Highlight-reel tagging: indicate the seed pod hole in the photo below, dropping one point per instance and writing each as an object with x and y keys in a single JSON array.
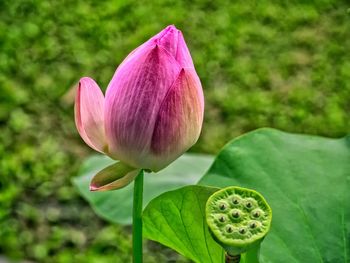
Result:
[
  {"x": 222, "y": 206},
  {"x": 229, "y": 229},
  {"x": 236, "y": 200},
  {"x": 242, "y": 231},
  {"x": 257, "y": 213},
  {"x": 222, "y": 219},
  {"x": 235, "y": 214},
  {"x": 253, "y": 225},
  {"x": 250, "y": 203}
]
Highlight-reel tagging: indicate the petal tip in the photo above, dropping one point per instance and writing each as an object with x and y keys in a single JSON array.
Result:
[
  {"x": 85, "y": 80},
  {"x": 171, "y": 27},
  {"x": 93, "y": 188}
]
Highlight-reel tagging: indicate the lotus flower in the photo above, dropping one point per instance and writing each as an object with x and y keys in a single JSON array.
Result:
[{"x": 152, "y": 111}]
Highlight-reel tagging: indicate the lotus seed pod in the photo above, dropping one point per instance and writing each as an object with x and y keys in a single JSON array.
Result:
[{"x": 238, "y": 218}]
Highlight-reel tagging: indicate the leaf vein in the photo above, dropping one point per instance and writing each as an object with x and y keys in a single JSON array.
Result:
[
  {"x": 343, "y": 233},
  {"x": 204, "y": 228},
  {"x": 310, "y": 231},
  {"x": 172, "y": 229},
  {"x": 183, "y": 223}
]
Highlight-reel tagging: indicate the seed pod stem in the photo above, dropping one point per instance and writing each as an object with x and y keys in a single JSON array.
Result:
[{"x": 232, "y": 258}]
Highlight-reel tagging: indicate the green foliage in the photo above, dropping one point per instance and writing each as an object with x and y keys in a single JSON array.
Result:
[
  {"x": 116, "y": 206},
  {"x": 262, "y": 63},
  {"x": 177, "y": 219},
  {"x": 305, "y": 180}
]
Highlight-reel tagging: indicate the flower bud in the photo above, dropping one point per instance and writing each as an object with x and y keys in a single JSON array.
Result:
[{"x": 153, "y": 108}]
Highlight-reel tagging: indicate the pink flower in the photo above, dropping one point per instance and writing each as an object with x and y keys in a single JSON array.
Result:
[{"x": 152, "y": 111}]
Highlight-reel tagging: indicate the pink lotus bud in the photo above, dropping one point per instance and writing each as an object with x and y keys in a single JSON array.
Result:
[{"x": 153, "y": 108}]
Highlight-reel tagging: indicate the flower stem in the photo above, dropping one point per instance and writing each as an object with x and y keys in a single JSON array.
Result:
[{"x": 137, "y": 219}]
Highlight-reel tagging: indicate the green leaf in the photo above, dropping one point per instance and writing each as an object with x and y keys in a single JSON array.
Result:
[
  {"x": 177, "y": 220},
  {"x": 306, "y": 181},
  {"x": 116, "y": 206}
]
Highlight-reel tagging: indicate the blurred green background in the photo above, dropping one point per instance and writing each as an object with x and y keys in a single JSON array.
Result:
[{"x": 282, "y": 64}]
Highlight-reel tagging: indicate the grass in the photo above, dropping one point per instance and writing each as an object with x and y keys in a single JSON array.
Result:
[{"x": 284, "y": 65}]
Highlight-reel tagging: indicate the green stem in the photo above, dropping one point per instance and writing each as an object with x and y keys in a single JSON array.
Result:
[{"x": 137, "y": 219}]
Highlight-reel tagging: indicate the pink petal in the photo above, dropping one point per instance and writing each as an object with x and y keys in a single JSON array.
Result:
[
  {"x": 168, "y": 39},
  {"x": 133, "y": 99},
  {"x": 136, "y": 52},
  {"x": 89, "y": 116},
  {"x": 172, "y": 40},
  {"x": 155, "y": 40},
  {"x": 183, "y": 55},
  {"x": 179, "y": 120}
]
